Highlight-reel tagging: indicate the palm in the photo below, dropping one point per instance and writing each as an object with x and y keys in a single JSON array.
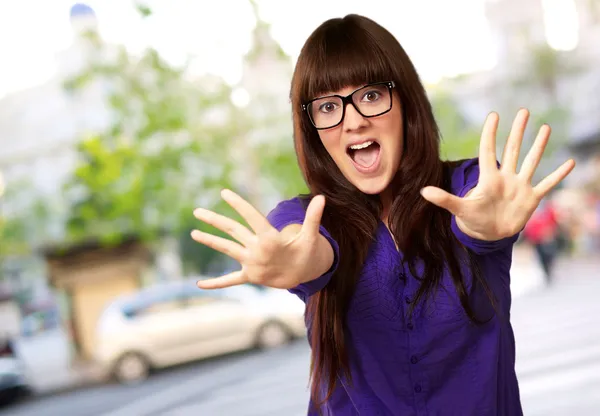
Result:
[
  {"x": 267, "y": 256},
  {"x": 504, "y": 199}
]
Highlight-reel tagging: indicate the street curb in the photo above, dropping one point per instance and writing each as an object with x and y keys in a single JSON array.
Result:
[{"x": 35, "y": 395}]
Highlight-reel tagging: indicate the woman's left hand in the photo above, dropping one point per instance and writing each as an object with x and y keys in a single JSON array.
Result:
[{"x": 503, "y": 200}]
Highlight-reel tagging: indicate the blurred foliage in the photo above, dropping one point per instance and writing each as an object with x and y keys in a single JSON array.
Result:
[
  {"x": 543, "y": 70},
  {"x": 171, "y": 146},
  {"x": 537, "y": 83},
  {"x": 24, "y": 225},
  {"x": 149, "y": 168},
  {"x": 279, "y": 163},
  {"x": 13, "y": 237},
  {"x": 460, "y": 139},
  {"x": 143, "y": 10}
]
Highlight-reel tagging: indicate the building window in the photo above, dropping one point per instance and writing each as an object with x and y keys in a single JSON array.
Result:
[{"x": 593, "y": 7}]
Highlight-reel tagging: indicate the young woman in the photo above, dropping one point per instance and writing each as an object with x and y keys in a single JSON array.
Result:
[{"x": 402, "y": 259}]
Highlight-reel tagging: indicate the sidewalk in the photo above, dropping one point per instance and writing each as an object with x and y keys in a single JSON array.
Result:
[
  {"x": 48, "y": 364},
  {"x": 527, "y": 275},
  {"x": 56, "y": 380}
]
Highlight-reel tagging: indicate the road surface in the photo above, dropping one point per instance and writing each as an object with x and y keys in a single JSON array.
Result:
[{"x": 558, "y": 364}]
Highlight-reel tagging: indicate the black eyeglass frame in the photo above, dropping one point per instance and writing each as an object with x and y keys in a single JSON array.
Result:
[{"x": 348, "y": 100}]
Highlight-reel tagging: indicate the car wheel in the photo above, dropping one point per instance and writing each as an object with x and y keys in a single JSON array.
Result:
[
  {"x": 132, "y": 368},
  {"x": 272, "y": 335}
]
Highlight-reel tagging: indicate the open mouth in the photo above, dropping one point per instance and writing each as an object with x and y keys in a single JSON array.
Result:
[{"x": 364, "y": 155}]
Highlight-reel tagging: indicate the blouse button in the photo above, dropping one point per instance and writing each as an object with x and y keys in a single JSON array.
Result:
[
  {"x": 418, "y": 388},
  {"x": 410, "y": 326},
  {"x": 414, "y": 359}
]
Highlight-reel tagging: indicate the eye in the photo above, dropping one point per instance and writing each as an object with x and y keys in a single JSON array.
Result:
[
  {"x": 327, "y": 107},
  {"x": 372, "y": 95}
]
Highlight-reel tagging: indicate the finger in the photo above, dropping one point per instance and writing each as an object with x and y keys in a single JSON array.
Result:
[
  {"x": 253, "y": 217},
  {"x": 510, "y": 155},
  {"x": 223, "y": 245},
  {"x": 314, "y": 213},
  {"x": 487, "y": 147},
  {"x": 231, "y": 279},
  {"x": 225, "y": 224},
  {"x": 443, "y": 199},
  {"x": 532, "y": 160},
  {"x": 554, "y": 178}
]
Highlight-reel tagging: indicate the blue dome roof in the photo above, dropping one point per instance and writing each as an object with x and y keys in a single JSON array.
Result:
[{"x": 82, "y": 10}]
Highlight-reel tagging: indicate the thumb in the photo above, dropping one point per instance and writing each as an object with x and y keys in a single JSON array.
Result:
[
  {"x": 314, "y": 213},
  {"x": 442, "y": 199}
]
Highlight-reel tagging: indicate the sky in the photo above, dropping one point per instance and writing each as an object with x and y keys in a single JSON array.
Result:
[{"x": 443, "y": 38}]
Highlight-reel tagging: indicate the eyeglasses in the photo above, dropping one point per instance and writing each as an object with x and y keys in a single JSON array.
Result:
[{"x": 370, "y": 101}]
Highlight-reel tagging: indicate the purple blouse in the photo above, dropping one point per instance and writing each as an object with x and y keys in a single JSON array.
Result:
[{"x": 438, "y": 362}]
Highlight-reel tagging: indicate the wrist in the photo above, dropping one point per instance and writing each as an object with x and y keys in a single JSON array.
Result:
[
  {"x": 487, "y": 236},
  {"x": 320, "y": 261}
]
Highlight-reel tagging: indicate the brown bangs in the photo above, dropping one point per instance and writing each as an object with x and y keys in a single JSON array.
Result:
[{"x": 342, "y": 55}]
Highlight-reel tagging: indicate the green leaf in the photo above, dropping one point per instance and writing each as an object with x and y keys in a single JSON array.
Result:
[{"x": 143, "y": 10}]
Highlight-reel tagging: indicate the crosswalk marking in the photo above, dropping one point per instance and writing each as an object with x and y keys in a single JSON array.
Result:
[
  {"x": 558, "y": 350},
  {"x": 283, "y": 389}
]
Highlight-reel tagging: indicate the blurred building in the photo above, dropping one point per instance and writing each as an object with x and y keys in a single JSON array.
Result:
[
  {"x": 547, "y": 57},
  {"x": 10, "y": 315},
  {"x": 41, "y": 124},
  {"x": 266, "y": 77},
  {"x": 40, "y": 127}
]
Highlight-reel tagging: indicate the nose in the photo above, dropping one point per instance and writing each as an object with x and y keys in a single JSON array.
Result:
[{"x": 353, "y": 120}]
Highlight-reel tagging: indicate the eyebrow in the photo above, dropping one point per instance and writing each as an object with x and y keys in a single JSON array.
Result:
[{"x": 332, "y": 93}]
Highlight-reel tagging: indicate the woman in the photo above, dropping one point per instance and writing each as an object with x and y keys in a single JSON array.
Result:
[{"x": 402, "y": 259}]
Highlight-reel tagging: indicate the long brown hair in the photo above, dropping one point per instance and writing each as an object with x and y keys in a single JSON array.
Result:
[{"x": 353, "y": 51}]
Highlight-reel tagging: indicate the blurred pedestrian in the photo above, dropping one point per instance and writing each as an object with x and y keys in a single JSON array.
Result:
[
  {"x": 402, "y": 259},
  {"x": 544, "y": 233}
]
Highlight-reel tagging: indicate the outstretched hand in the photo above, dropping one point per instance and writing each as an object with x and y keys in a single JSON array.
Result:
[
  {"x": 503, "y": 200},
  {"x": 267, "y": 256}
]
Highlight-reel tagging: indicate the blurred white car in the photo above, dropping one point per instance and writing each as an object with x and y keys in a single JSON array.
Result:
[
  {"x": 12, "y": 373},
  {"x": 175, "y": 322}
]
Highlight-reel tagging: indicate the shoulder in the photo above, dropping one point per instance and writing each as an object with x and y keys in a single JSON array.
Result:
[
  {"x": 296, "y": 204},
  {"x": 288, "y": 211},
  {"x": 464, "y": 175}
]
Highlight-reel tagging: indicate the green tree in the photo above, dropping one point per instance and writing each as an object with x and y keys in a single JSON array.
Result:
[
  {"x": 460, "y": 139},
  {"x": 168, "y": 149},
  {"x": 23, "y": 222},
  {"x": 165, "y": 151}
]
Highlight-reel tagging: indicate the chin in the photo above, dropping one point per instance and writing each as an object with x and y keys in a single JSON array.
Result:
[{"x": 372, "y": 186}]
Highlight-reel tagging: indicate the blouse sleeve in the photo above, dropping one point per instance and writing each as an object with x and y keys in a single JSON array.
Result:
[{"x": 293, "y": 212}]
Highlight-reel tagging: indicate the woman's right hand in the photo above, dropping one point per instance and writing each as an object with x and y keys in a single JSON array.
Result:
[{"x": 268, "y": 257}]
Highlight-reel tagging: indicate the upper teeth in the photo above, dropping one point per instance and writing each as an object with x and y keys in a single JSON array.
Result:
[{"x": 362, "y": 145}]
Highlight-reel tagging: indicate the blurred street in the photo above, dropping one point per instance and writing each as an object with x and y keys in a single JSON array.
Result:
[
  {"x": 119, "y": 119},
  {"x": 558, "y": 362}
]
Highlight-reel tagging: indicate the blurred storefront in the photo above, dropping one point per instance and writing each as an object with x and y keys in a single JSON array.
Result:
[
  {"x": 10, "y": 315},
  {"x": 88, "y": 277}
]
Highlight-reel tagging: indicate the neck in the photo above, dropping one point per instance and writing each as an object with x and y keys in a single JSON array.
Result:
[{"x": 386, "y": 201}]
